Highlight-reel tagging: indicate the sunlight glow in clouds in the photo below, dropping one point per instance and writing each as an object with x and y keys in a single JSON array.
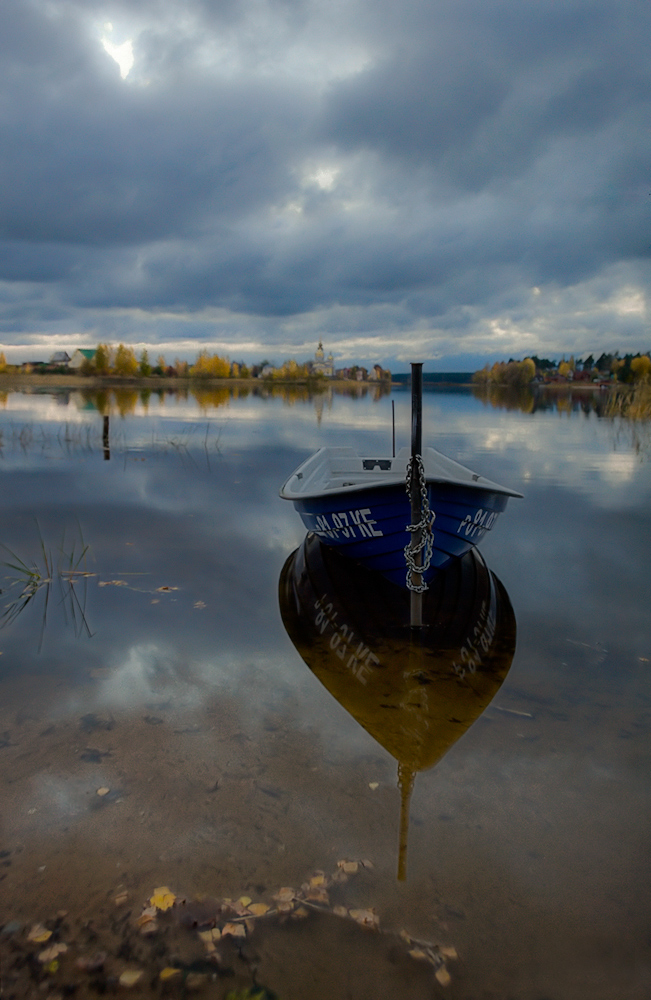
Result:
[{"x": 123, "y": 54}]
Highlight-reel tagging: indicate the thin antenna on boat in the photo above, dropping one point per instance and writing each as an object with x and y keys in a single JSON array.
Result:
[
  {"x": 393, "y": 425},
  {"x": 416, "y": 597}
]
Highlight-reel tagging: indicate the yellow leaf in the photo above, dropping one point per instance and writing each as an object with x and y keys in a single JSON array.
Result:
[
  {"x": 285, "y": 894},
  {"x": 162, "y": 899},
  {"x": 300, "y": 913},
  {"x": 121, "y": 898},
  {"x": 169, "y": 972},
  {"x": 39, "y": 934},
  {"x": 103, "y": 791},
  {"x": 52, "y": 966},
  {"x": 418, "y": 953},
  {"x": 147, "y": 915},
  {"x": 258, "y": 909},
  {"x": 448, "y": 952},
  {"x": 235, "y": 930},
  {"x": 443, "y": 976},
  {"x": 317, "y": 880},
  {"x": 214, "y": 934},
  {"x": 130, "y": 977},
  {"x": 350, "y": 867},
  {"x": 244, "y": 900},
  {"x": 49, "y": 954}
]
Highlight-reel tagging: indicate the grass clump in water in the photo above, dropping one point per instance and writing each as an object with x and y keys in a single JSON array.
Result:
[{"x": 28, "y": 580}]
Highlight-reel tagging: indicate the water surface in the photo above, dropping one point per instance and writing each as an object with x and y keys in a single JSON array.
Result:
[{"x": 166, "y": 675}]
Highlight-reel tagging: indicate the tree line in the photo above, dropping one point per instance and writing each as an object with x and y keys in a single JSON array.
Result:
[
  {"x": 627, "y": 369},
  {"x": 122, "y": 361}
]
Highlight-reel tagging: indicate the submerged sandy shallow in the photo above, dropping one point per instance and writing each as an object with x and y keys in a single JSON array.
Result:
[{"x": 197, "y": 804}]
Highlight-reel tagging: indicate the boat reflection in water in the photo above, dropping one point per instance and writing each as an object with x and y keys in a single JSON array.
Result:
[{"x": 415, "y": 691}]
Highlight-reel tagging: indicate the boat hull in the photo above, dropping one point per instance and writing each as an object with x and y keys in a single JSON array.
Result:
[{"x": 370, "y": 526}]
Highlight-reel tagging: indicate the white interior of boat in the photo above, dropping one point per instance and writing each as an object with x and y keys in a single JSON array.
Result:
[{"x": 344, "y": 470}]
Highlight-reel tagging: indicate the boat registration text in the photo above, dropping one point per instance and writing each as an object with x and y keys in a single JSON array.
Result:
[{"x": 344, "y": 524}]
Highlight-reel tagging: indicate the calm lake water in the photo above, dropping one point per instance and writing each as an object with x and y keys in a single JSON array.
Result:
[{"x": 166, "y": 676}]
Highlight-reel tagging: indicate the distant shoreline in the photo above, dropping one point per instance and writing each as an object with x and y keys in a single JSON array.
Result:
[{"x": 10, "y": 380}]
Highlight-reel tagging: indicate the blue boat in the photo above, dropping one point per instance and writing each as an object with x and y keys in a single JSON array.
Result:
[{"x": 361, "y": 505}]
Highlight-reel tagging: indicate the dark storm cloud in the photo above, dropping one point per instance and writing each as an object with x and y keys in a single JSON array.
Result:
[
  {"x": 91, "y": 161},
  {"x": 402, "y": 162}
]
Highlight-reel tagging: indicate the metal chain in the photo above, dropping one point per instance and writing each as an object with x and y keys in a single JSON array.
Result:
[{"x": 426, "y": 542}]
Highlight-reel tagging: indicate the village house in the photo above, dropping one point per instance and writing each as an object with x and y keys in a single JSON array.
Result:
[
  {"x": 81, "y": 355},
  {"x": 60, "y": 359}
]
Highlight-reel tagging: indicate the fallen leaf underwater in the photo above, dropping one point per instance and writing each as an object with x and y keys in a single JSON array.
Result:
[{"x": 175, "y": 946}]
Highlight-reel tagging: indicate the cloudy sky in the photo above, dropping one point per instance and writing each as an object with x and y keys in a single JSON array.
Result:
[{"x": 452, "y": 181}]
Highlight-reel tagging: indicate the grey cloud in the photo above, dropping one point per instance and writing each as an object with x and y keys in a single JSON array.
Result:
[{"x": 478, "y": 149}]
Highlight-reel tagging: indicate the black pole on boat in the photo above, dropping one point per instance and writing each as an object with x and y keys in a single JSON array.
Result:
[
  {"x": 416, "y": 597},
  {"x": 393, "y": 427}
]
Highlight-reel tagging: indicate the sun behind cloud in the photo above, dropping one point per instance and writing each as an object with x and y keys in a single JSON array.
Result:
[{"x": 123, "y": 54}]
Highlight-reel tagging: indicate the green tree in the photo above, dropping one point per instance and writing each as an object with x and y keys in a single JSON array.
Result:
[
  {"x": 101, "y": 361},
  {"x": 144, "y": 368}
]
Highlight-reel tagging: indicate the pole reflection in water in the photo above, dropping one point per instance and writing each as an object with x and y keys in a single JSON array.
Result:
[
  {"x": 414, "y": 691},
  {"x": 105, "y": 439}
]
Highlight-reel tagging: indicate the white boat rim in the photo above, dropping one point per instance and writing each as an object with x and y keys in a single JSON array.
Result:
[{"x": 344, "y": 470}]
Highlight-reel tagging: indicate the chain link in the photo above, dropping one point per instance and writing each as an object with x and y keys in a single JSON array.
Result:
[{"x": 427, "y": 517}]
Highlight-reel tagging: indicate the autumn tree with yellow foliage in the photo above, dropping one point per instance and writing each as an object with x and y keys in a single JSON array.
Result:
[
  {"x": 506, "y": 373},
  {"x": 641, "y": 366},
  {"x": 291, "y": 370},
  {"x": 125, "y": 363},
  {"x": 210, "y": 366},
  {"x": 3, "y": 362}
]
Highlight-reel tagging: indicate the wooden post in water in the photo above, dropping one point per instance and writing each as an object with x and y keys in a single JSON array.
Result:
[
  {"x": 105, "y": 439},
  {"x": 416, "y": 598}
]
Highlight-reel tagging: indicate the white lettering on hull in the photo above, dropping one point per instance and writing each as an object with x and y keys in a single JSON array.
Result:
[
  {"x": 481, "y": 522},
  {"x": 356, "y": 524}
]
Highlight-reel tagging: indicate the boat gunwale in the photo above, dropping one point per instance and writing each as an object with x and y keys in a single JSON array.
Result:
[{"x": 479, "y": 484}]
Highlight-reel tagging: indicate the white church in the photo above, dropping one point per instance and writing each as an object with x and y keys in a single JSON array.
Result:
[{"x": 321, "y": 364}]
